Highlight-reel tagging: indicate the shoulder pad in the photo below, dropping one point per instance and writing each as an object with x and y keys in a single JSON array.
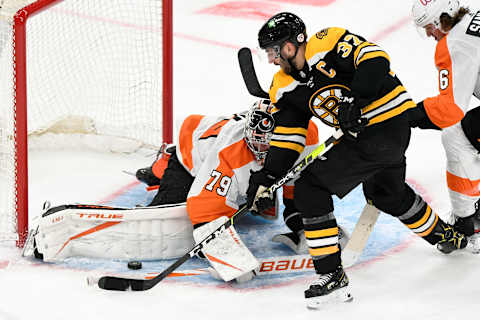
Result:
[
  {"x": 281, "y": 83},
  {"x": 323, "y": 41}
]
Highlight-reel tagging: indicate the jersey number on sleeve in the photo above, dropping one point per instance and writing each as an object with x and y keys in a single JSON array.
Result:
[
  {"x": 346, "y": 47},
  {"x": 223, "y": 185},
  {"x": 443, "y": 78}
]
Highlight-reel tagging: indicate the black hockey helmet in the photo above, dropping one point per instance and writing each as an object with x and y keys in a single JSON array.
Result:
[{"x": 282, "y": 27}]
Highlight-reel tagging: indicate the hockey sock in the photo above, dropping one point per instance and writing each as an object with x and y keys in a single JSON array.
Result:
[
  {"x": 322, "y": 239},
  {"x": 422, "y": 220}
]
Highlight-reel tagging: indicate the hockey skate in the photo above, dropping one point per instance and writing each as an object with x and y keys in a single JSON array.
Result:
[
  {"x": 151, "y": 175},
  {"x": 146, "y": 176},
  {"x": 328, "y": 288},
  {"x": 451, "y": 238},
  {"x": 470, "y": 226}
]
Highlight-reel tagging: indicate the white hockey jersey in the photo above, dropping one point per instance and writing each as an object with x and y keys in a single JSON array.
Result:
[
  {"x": 215, "y": 152},
  {"x": 457, "y": 58},
  {"x": 197, "y": 137}
]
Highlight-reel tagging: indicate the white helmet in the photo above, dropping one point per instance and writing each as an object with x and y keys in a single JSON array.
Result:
[
  {"x": 258, "y": 128},
  {"x": 425, "y": 12}
]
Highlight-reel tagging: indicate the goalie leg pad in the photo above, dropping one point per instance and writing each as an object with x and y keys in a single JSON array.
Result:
[
  {"x": 226, "y": 253},
  {"x": 146, "y": 233}
]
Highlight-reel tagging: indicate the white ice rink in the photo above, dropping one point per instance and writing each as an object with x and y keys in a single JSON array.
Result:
[{"x": 412, "y": 281}]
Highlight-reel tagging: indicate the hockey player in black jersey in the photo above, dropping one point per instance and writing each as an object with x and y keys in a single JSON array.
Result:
[{"x": 345, "y": 81}]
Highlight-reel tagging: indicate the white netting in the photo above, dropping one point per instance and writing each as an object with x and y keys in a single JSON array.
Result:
[{"x": 94, "y": 61}]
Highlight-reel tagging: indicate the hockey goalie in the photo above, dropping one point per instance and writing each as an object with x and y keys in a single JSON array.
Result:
[{"x": 201, "y": 182}]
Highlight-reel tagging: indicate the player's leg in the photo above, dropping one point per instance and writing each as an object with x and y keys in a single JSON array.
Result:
[
  {"x": 174, "y": 185},
  {"x": 463, "y": 172},
  {"x": 389, "y": 193},
  {"x": 321, "y": 232}
]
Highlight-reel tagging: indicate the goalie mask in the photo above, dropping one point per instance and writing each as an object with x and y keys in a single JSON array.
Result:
[{"x": 259, "y": 129}]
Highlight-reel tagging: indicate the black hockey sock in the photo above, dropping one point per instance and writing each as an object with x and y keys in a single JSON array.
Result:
[
  {"x": 322, "y": 239},
  {"x": 422, "y": 220}
]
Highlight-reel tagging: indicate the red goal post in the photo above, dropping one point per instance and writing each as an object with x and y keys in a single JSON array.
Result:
[{"x": 127, "y": 48}]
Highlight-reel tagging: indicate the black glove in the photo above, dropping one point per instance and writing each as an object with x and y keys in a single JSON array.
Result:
[
  {"x": 350, "y": 118},
  {"x": 417, "y": 117},
  {"x": 259, "y": 181}
]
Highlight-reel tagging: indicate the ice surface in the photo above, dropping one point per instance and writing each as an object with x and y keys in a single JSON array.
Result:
[{"x": 401, "y": 277}]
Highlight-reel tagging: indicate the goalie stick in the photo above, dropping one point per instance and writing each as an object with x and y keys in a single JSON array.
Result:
[{"x": 121, "y": 284}]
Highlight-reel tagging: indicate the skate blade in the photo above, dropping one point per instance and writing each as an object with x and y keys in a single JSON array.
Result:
[{"x": 337, "y": 296}]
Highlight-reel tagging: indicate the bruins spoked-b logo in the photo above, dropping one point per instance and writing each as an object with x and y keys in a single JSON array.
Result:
[{"x": 324, "y": 103}]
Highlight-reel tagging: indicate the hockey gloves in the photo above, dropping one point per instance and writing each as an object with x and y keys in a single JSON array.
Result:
[
  {"x": 417, "y": 117},
  {"x": 350, "y": 118},
  {"x": 258, "y": 198}
]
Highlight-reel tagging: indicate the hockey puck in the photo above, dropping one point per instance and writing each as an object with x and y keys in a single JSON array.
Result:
[{"x": 134, "y": 265}]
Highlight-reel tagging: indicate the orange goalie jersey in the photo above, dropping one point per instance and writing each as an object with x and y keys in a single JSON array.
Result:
[{"x": 214, "y": 151}]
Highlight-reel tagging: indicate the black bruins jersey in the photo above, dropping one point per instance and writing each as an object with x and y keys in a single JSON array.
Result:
[{"x": 333, "y": 57}]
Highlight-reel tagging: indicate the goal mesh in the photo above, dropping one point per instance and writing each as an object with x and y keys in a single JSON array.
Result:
[{"x": 100, "y": 61}]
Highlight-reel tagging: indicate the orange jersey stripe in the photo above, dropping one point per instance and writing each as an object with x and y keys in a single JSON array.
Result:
[
  {"x": 186, "y": 139},
  {"x": 208, "y": 205},
  {"x": 463, "y": 185},
  {"x": 442, "y": 109}
]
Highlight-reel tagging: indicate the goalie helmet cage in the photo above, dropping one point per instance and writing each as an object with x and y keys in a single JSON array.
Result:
[{"x": 107, "y": 63}]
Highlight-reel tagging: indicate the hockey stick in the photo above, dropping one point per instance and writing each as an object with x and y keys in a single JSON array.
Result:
[
  {"x": 249, "y": 75},
  {"x": 358, "y": 239},
  {"x": 119, "y": 283}
]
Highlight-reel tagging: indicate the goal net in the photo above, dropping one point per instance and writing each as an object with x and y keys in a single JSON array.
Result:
[{"x": 100, "y": 67}]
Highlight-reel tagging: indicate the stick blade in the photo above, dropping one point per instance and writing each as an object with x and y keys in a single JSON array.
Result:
[
  {"x": 123, "y": 284},
  {"x": 249, "y": 75}
]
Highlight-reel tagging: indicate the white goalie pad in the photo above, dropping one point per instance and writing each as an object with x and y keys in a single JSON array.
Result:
[
  {"x": 146, "y": 233},
  {"x": 226, "y": 253}
]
